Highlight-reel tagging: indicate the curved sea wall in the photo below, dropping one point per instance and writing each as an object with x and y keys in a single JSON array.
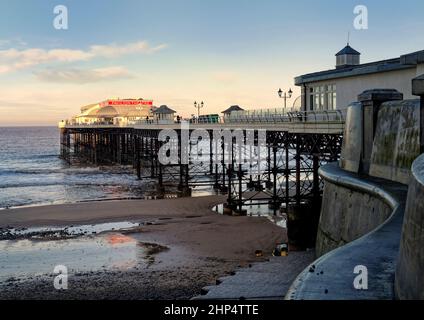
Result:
[
  {"x": 364, "y": 199},
  {"x": 331, "y": 277},
  {"x": 348, "y": 212},
  {"x": 410, "y": 269}
]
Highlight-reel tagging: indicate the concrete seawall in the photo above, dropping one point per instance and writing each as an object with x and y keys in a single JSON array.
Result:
[
  {"x": 364, "y": 201},
  {"x": 331, "y": 277},
  {"x": 347, "y": 214},
  {"x": 410, "y": 268}
]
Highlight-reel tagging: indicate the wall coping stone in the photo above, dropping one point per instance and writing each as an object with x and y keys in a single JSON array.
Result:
[
  {"x": 418, "y": 86},
  {"x": 380, "y": 95}
]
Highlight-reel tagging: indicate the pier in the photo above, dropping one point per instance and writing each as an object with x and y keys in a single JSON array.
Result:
[{"x": 297, "y": 145}]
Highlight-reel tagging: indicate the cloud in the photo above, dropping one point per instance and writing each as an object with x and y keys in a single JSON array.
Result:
[
  {"x": 22, "y": 59},
  {"x": 12, "y": 42},
  {"x": 16, "y": 105},
  {"x": 14, "y": 59},
  {"x": 82, "y": 76},
  {"x": 113, "y": 50},
  {"x": 4, "y": 42}
]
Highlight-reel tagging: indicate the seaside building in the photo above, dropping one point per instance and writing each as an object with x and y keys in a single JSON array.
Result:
[
  {"x": 115, "y": 111},
  {"x": 164, "y": 115},
  {"x": 337, "y": 88},
  {"x": 231, "y": 109}
]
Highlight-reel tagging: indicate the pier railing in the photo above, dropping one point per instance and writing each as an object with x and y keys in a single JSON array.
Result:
[
  {"x": 262, "y": 116},
  {"x": 253, "y": 117},
  {"x": 271, "y": 116}
]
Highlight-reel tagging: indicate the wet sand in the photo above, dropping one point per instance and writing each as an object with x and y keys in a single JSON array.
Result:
[{"x": 200, "y": 247}]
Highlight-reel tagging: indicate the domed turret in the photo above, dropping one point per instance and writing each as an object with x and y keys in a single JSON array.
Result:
[{"x": 347, "y": 57}]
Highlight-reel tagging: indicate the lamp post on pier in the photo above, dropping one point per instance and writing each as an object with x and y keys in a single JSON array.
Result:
[
  {"x": 285, "y": 96},
  {"x": 198, "y": 106}
]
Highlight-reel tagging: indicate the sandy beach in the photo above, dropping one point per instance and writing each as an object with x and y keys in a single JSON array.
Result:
[{"x": 188, "y": 247}]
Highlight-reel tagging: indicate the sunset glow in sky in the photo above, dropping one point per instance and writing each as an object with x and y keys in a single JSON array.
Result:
[{"x": 223, "y": 52}]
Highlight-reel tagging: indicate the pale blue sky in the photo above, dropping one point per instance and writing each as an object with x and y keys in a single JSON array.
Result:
[{"x": 224, "y": 52}]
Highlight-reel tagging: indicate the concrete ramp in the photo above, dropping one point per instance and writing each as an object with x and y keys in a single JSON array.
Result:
[{"x": 265, "y": 280}]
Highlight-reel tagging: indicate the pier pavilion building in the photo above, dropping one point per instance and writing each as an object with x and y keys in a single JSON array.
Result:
[
  {"x": 337, "y": 88},
  {"x": 115, "y": 111}
]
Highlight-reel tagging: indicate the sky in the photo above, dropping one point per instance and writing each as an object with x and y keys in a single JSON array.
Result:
[{"x": 175, "y": 52}]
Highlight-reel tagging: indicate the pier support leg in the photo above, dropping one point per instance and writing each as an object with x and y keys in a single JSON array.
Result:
[
  {"x": 210, "y": 154},
  {"x": 298, "y": 168},
  {"x": 287, "y": 175},
  {"x": 268, "y": 160},
  {"x": 275, "y": 203},
  {"x": 315, "y": 188},
  {"x": 68, "y": 147},
  {"x": 240, "y": 191},
  {"x": 138, "y": 157},
  {"x": 152, "y": 158},
  {"x": 224, "y": 188}
]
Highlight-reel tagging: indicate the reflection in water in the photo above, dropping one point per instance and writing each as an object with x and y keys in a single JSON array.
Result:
[
  {"x": 109, "y": 251},
  {"x": 115, "y": 239},
  {"x": 259, "y": 210},
  {"x": 70, "y": 231}
]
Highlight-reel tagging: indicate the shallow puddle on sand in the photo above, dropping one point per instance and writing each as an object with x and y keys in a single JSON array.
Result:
[
  {"x": 108, "y": 251},
  {"x": 76, "y": 230},
  {"x": 259, "y": 210}
]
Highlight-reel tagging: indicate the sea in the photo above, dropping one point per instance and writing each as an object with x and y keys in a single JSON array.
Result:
[{"x": 31, "y": 172}]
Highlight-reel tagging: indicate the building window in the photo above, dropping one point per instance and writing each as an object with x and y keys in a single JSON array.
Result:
[
  {"x": 323, "y": 97},
  {"x": 331, "y": 97},
  {"x": 311, "y": 99}
]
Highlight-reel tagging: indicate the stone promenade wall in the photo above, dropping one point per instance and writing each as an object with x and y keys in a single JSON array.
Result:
[
  {"x": 410, "y": 268},
  {"x": 346, "y": 215}
]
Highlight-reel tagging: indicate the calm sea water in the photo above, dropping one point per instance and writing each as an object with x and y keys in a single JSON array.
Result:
[{"x": 31, "y": 172}]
